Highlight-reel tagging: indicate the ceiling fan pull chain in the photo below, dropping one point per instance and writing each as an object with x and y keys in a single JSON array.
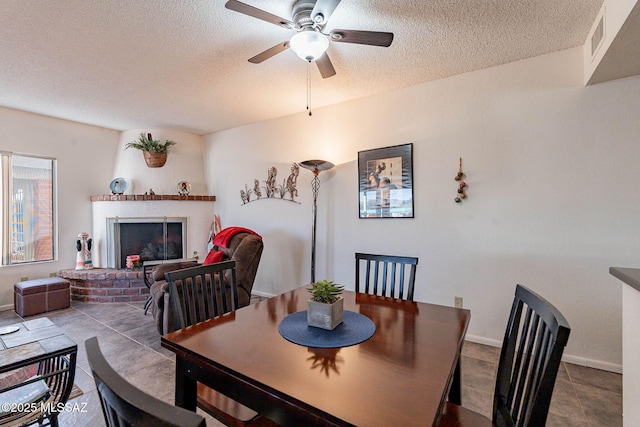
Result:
[{"x": 309, "y": 87}]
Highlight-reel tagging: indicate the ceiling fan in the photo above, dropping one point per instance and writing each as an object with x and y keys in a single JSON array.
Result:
[{"x": 310, "y": 42}]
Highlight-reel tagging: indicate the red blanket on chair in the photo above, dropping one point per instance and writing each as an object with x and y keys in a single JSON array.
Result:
[{"x": 223, "y": 238}]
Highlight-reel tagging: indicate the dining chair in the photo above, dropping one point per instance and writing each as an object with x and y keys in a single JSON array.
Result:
[
  {"x": 203, "y": 292},
  {"x": 536, "y": 336},
  {"x": 200, "y": 293},
  {"x": 386, "y": 275},
  {"x": 36, "y": 390},
  {"x": 123, "y": 404},
  {"x": 147, "y": 267}
]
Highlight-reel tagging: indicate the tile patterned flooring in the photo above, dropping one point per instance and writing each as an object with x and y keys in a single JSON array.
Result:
[{"x": 582, "y": 396}]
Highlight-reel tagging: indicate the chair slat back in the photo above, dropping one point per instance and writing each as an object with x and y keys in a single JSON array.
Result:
[
  {"x": 202, "y": 292},
  {"x": 386, "y": 275},
  {"x": 534, "y": 341},
  {"x": 59, "y": 373},
  {"x": 125, "y": 405}
]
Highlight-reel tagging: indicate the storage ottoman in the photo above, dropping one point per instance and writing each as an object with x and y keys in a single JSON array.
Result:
[{"x": 41, "y": 296}]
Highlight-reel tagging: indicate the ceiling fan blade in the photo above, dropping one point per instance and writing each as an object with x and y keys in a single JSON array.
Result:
[
  {"x": 272, "y": 51},
  {"x": 372, "y": 38},
  {"x": 323, "y": 10},
  {"x": 325, "y": 66},
  {"x": 258, "y": 13}
]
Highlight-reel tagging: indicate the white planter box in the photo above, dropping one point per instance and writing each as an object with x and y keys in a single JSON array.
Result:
[{"x": 325, "y": 316}]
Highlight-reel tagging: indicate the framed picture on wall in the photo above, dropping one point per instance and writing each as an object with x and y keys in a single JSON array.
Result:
[{"x": 385, "y": 182}]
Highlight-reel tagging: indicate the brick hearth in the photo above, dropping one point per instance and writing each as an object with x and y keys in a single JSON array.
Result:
[{"x": 106, "y": 285}]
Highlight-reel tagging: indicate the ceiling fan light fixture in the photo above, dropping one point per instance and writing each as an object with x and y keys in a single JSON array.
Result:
[{"x": 309, "y": 44}]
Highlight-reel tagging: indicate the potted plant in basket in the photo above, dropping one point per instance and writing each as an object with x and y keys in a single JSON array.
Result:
[
  {"x": 326, "y": 305},
  {"x": 155, "y": 152}
]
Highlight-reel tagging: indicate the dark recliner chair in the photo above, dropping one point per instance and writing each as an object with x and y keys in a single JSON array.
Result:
[{"x": 244, "y": 248}]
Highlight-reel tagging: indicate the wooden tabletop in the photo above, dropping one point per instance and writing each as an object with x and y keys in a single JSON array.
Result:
[{"x": 400, "y": 376}]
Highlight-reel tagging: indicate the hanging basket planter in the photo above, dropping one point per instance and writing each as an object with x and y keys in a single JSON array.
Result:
[
  {"x": 155, "y": 152},
  {"x": 155, "y": 160}
]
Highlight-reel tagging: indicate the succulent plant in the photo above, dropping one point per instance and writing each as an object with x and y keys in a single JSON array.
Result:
[{"x": 325, "y": 291}]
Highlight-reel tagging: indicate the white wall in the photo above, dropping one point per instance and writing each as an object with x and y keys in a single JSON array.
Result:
[
  {"x": 551, "y": 167},
  {"x": 85, "y": 154},
  {"x": 184, "y": 163}
]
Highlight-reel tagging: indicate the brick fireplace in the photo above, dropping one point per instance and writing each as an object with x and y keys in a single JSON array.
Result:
[
  {"x": 113, "y": 285},
  {"x": 106, "y": 285}
]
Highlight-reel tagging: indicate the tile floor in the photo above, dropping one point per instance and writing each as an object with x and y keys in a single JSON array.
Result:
[{"x": 582, "y": 396}]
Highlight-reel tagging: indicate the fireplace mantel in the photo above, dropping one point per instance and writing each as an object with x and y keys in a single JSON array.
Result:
[{"x": 149, "y": 197}]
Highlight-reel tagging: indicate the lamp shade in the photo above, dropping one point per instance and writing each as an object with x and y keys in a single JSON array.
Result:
[{"x": 309, "y": 44}]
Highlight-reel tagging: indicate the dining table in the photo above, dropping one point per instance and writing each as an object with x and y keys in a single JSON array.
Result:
[{"x": 402, "y": 375}]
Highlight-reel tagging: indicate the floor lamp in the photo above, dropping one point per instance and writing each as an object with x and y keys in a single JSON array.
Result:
[{"x": 315, "y": 166}]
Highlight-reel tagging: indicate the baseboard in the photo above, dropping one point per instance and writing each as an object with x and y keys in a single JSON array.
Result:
[
  {"x": 596, "y": 364},
  {"x": 262, "y": 294},
  {"x": 6, "y": 307},
  {"x": 576, "y": 360},
  {"x": 482, "y": 340}
]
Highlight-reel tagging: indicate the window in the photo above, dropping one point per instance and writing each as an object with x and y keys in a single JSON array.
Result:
[{"x": 28, "y": 209}]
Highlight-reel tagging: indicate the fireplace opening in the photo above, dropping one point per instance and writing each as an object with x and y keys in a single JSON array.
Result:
[{"x": 150, "y": 238}]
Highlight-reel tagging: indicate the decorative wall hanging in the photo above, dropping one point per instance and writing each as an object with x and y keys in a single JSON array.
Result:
[
  {"x": 461, "y": 186},
  {"x": 287, "y": 191},
  {"x": 385, "y": 178}
]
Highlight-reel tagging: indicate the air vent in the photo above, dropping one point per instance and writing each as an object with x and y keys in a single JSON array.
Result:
[{"x": 598, "y": 36}]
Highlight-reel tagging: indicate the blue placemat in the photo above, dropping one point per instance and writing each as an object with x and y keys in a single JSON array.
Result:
[{"x": 354, "y": 329}]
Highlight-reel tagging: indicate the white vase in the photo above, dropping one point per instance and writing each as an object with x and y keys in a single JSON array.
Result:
[{"x": 323, "y": 315}]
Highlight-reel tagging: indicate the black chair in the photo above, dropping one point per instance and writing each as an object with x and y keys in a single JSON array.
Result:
[
  {"x": 125, "y": 405},
  {"x": 147, "y": 266},
  {"x": 387, "y": 275},
  {"x": 531, "y": 351},
  {"x": 201, "y": 293},
  {"x": 37, "y": 395}
]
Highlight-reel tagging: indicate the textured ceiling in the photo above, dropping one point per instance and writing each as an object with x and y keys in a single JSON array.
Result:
[{"x": 182, "y": 64}]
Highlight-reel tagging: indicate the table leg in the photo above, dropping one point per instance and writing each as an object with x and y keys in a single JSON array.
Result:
[
  {"x": 455, "y": 392},
  {"x": 186, "y": 387}
]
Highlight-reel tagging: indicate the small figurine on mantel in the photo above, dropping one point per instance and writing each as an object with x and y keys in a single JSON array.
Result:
[{"x": 150, "y": 192}]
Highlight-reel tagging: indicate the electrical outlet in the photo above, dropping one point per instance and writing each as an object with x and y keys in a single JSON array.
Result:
[
  {"x": 24, "y": 278},
  {"x": 457, "y": 302}
]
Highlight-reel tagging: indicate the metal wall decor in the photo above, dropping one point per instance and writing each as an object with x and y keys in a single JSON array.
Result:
[
  {"x": 462, "y": 186},
  {"x": 287, "y": 191}
]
